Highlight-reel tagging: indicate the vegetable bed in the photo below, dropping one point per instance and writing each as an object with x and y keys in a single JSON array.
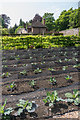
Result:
[{"x": 31, "y": 74}]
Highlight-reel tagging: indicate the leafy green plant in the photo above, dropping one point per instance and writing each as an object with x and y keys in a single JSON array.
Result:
[
  {"x": 14, "y": 65},
  {"x": 26, "y": 106},
  {"x": 12, "y": 86},
  {"x": 38, "y": 70},
  {"x": 24, "y": 65},
  {"x": 51, "y": 98},
  {"x": 2, "y": 107},
  {"x": 33, "y": 63},
  {"x": 64, "y": 68},
  {"x": 23, "y": 72},
  {"x": 67, "y": 59},
  {"x": 60, "y": 60},
  {"x": 65, "y": 53},
  {"x": 75, "y": 53},
  {"x": 75, "y": 59},
  {"x": 73, "y": 97},
  {"x": 68, "y": 78},
  {"x": 32, "y": 83},
  {"x": 51, "y": 69},
  {"x": 17, "y": 57},
  {"x": 12, "y": 57},
  {"x": 30, "y": 57},
  {"x": 5, "y": 75},
  {"x": 4, "y": 66},
  {"x": 76, "y": 66},
  {"x": 4, "y": 112},
  {"x": 53, "y": 81},
  {"x": 42, "y": 63}
]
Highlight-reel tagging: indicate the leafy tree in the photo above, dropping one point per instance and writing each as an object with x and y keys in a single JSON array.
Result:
[
  {"x": 12, "y": 29},
  {"x": 4, "y": 31},
  {"x": 73, "y": 19},
  {"x": 18, "y": 29},
  {"x": 49, "y": 20},
  {"x": 67, "y": 19},
  {"x": 22, "y": 23},
  {"x": 5, "y": 20}
]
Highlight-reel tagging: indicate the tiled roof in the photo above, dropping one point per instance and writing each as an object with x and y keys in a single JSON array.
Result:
[{"x": 38, "y": 24}]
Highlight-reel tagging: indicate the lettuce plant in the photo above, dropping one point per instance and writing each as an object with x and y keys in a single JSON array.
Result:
[
  {"x": 76, "y": 66},
  {"x": 5, "y": 75},
  {"x": 17, "y": 57},
  {"x": 68, "y": 78},
  {"x": 34, "y": 63},
  {"x": 53, "y": 81},
  {"x": 38, "y": 70},
  {"x": 23, "y": 72},
  {"x": 51, "y": 69},
  {"x": 32, "y": 83},
  {"x": 73, "y": 97},
  {"x": 12, "y": 86},
  {"x": 64, "y": 67},
  {"x": 12, "y": 57},
  {"x": 4, "y": 66},
  {"x": 60, "y": 60},
  {"x": 75, "y": 59}
]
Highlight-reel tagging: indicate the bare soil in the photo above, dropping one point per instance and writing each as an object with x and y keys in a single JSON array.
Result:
[{"x": 38, "y": 92}]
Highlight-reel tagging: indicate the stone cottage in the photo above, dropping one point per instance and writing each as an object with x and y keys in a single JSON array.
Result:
[{"x": 37, "y": 27}]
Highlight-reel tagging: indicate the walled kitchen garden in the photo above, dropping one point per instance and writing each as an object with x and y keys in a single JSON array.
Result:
[{"x": 39, "y": 83}]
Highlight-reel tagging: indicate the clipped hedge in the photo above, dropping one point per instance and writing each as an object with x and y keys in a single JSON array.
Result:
[{"x": 25, "y": 42}]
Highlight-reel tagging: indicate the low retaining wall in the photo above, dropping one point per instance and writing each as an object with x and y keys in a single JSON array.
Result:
[{"x": 74, "y": 31}]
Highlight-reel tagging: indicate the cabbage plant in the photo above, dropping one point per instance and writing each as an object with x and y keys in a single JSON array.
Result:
[
  {"x": 26, "y": 106},
  {"x": 73, "y": 97}
]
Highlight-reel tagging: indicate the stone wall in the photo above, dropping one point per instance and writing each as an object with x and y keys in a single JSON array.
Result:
[{"x": 74, "y": 31}]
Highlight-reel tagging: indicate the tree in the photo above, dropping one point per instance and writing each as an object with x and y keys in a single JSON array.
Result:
[
  {"x": 22, "y": 23},
  {"x": 4, "y": 31},
  {"x": 74, "y": 19},
  {"x": 5, "y": 20},
  {"x": 67, "y": 19},
  {"x": 18, "y": 29},
  {"x": 63, "y": 21},
  {"x": 12, "y": 29},
  {"x": 49, "y": 20}
]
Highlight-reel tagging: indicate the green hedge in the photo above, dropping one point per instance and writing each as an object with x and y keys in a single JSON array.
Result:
[{"x": 25, "y": 42}]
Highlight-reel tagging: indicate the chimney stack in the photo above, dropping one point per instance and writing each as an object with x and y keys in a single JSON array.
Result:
[{"x": 43, "y": 21}]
